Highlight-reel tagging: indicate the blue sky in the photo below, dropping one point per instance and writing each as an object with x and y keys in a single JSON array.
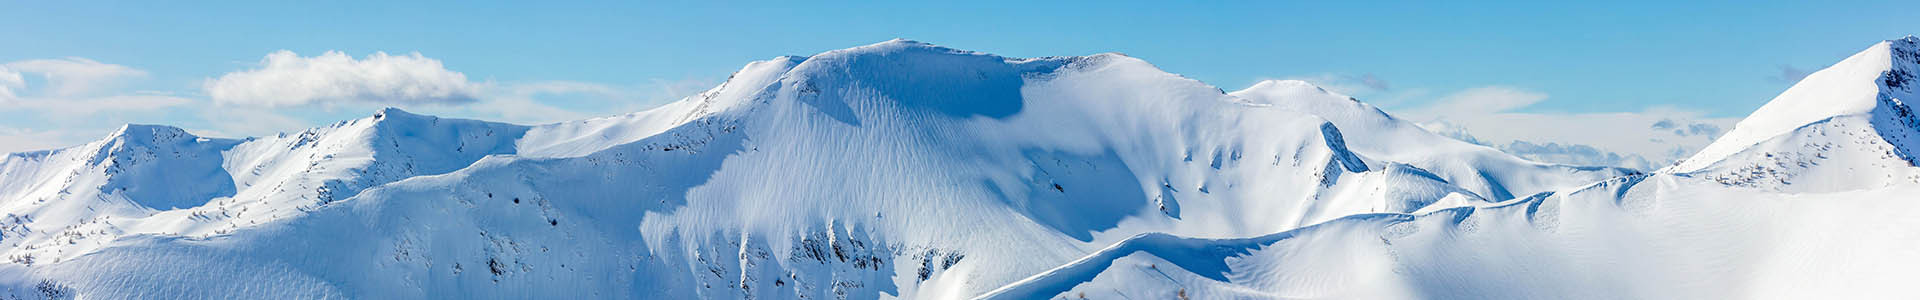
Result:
[{"x": 1706, "y": 61}]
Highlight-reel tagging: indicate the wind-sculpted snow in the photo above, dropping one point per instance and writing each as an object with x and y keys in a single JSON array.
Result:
[
  {"x": 1665, "y": 237},
  {"x": 894, "y": 170}
]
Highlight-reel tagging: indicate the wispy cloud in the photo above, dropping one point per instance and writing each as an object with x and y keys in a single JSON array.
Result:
[
  {"x": 81, "y": 107},
  {"x": 288, "y": 79},
  {"x": 25, "y": 139},
  {"x": 1493, "y": 116},
  {"x": 1481, "y": 101},
  {"x": 72, "y": 76},
  {"x": 542, "y": 102},
  {"x": 241, "y": 121},
  {"x": 79, "y": 99},
  {"x": 1790, "y": 74},
  {"x": 10, "y": 81},
  {"x": 74, "y": 88}
]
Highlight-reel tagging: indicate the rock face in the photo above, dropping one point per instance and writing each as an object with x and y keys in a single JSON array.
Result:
[{"x": 899, "y": 169}]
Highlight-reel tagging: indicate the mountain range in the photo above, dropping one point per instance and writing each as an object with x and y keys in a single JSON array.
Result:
[{"x": 909, "y": 170}]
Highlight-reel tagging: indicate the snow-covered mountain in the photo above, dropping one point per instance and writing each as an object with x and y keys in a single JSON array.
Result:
[
  {"x": 895, "y": 169},
  {"x": 1842, "y": 128},
  {"x": 1480, "y": 169},
  {"x": 908, "y": 170},
  {"x": 1811, "y": 197}
]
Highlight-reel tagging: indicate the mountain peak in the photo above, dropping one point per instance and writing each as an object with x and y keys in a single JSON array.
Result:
[
  {"x": 1861, "y": 84},
  {"x": 395, "y": 112},
  {"x": 1908, "y": 42},
  {"x": 904, "y": 41},
  {"x": 916, "y": 75},
  {"x": 1286, "y": 84},
  {"x": 893, "y": 47},
  {"x": 1305, "y": 96},
  {"x": 145, "y": 130},
  {"x": 146, "y": 134},
  {"x": 1293, "y": 88}
]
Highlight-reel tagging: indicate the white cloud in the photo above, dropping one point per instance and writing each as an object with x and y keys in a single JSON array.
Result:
[
  {"x": 10, "y": 81},
  {"x": 79, "y": 94},
  {"x": 77, "y": 100},
  {"x": 74, "y": 87},
  {"x": 72, "y": 76},
  {"x": 543, "y": 102},
  {"x": 1643, "y": 140},
  {"x": 526, "y": 111},
  {"x": 87, "y": 106},
  {"x": 670, "y": 90},
  {"x": 1483, "y": 100},
  {"x": 23, "y": 139},
  {"x": 287, "y": 79},
  {"x": 235, "y": 121}
]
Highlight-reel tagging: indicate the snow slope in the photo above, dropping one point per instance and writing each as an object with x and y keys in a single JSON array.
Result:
[
  {"x": 1808, "y": 198},
  {"x": 899, "y": 169},
  {"x": 1485, "y": 171},
  {"x": 1658, "y": 237},
  {"x": 146, "y": 179},
  {"x": 1844, "y": 127}
]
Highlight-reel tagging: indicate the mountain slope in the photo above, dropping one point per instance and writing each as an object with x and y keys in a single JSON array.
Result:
[
  {"x": 1659, "y": 237},
  {"x": 148, "y": 179},
  {"x": 1819, "y": 208},
  {"x": 1844, "y": 127},
  {"x": 1485, "y": 171},
  {"x": 894, "y": 169}
]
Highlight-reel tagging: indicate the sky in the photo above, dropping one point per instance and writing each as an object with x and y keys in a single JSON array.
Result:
[{"x": 72, "y": 71}]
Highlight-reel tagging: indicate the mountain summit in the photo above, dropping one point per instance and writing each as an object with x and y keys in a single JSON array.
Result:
[
  {"x": 900, "y": 168},
  {"x": 1844, "y": 127}
]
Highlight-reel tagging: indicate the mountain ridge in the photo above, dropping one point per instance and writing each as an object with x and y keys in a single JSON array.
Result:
[
  {"x": 1814, "y": 211},
  {"x": 1847, "y": 127},
  {"x": 865, "y": 173}
]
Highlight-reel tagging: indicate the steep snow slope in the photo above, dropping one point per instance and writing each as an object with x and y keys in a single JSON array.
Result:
[
  {"x": 1844, "y": 127},
  {"x": 899, "y": 168}
]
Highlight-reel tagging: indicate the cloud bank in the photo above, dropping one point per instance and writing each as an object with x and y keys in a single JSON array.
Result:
[
  {"x": 1492, "y": 116},
  {"x": 288, "y": 79}
]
